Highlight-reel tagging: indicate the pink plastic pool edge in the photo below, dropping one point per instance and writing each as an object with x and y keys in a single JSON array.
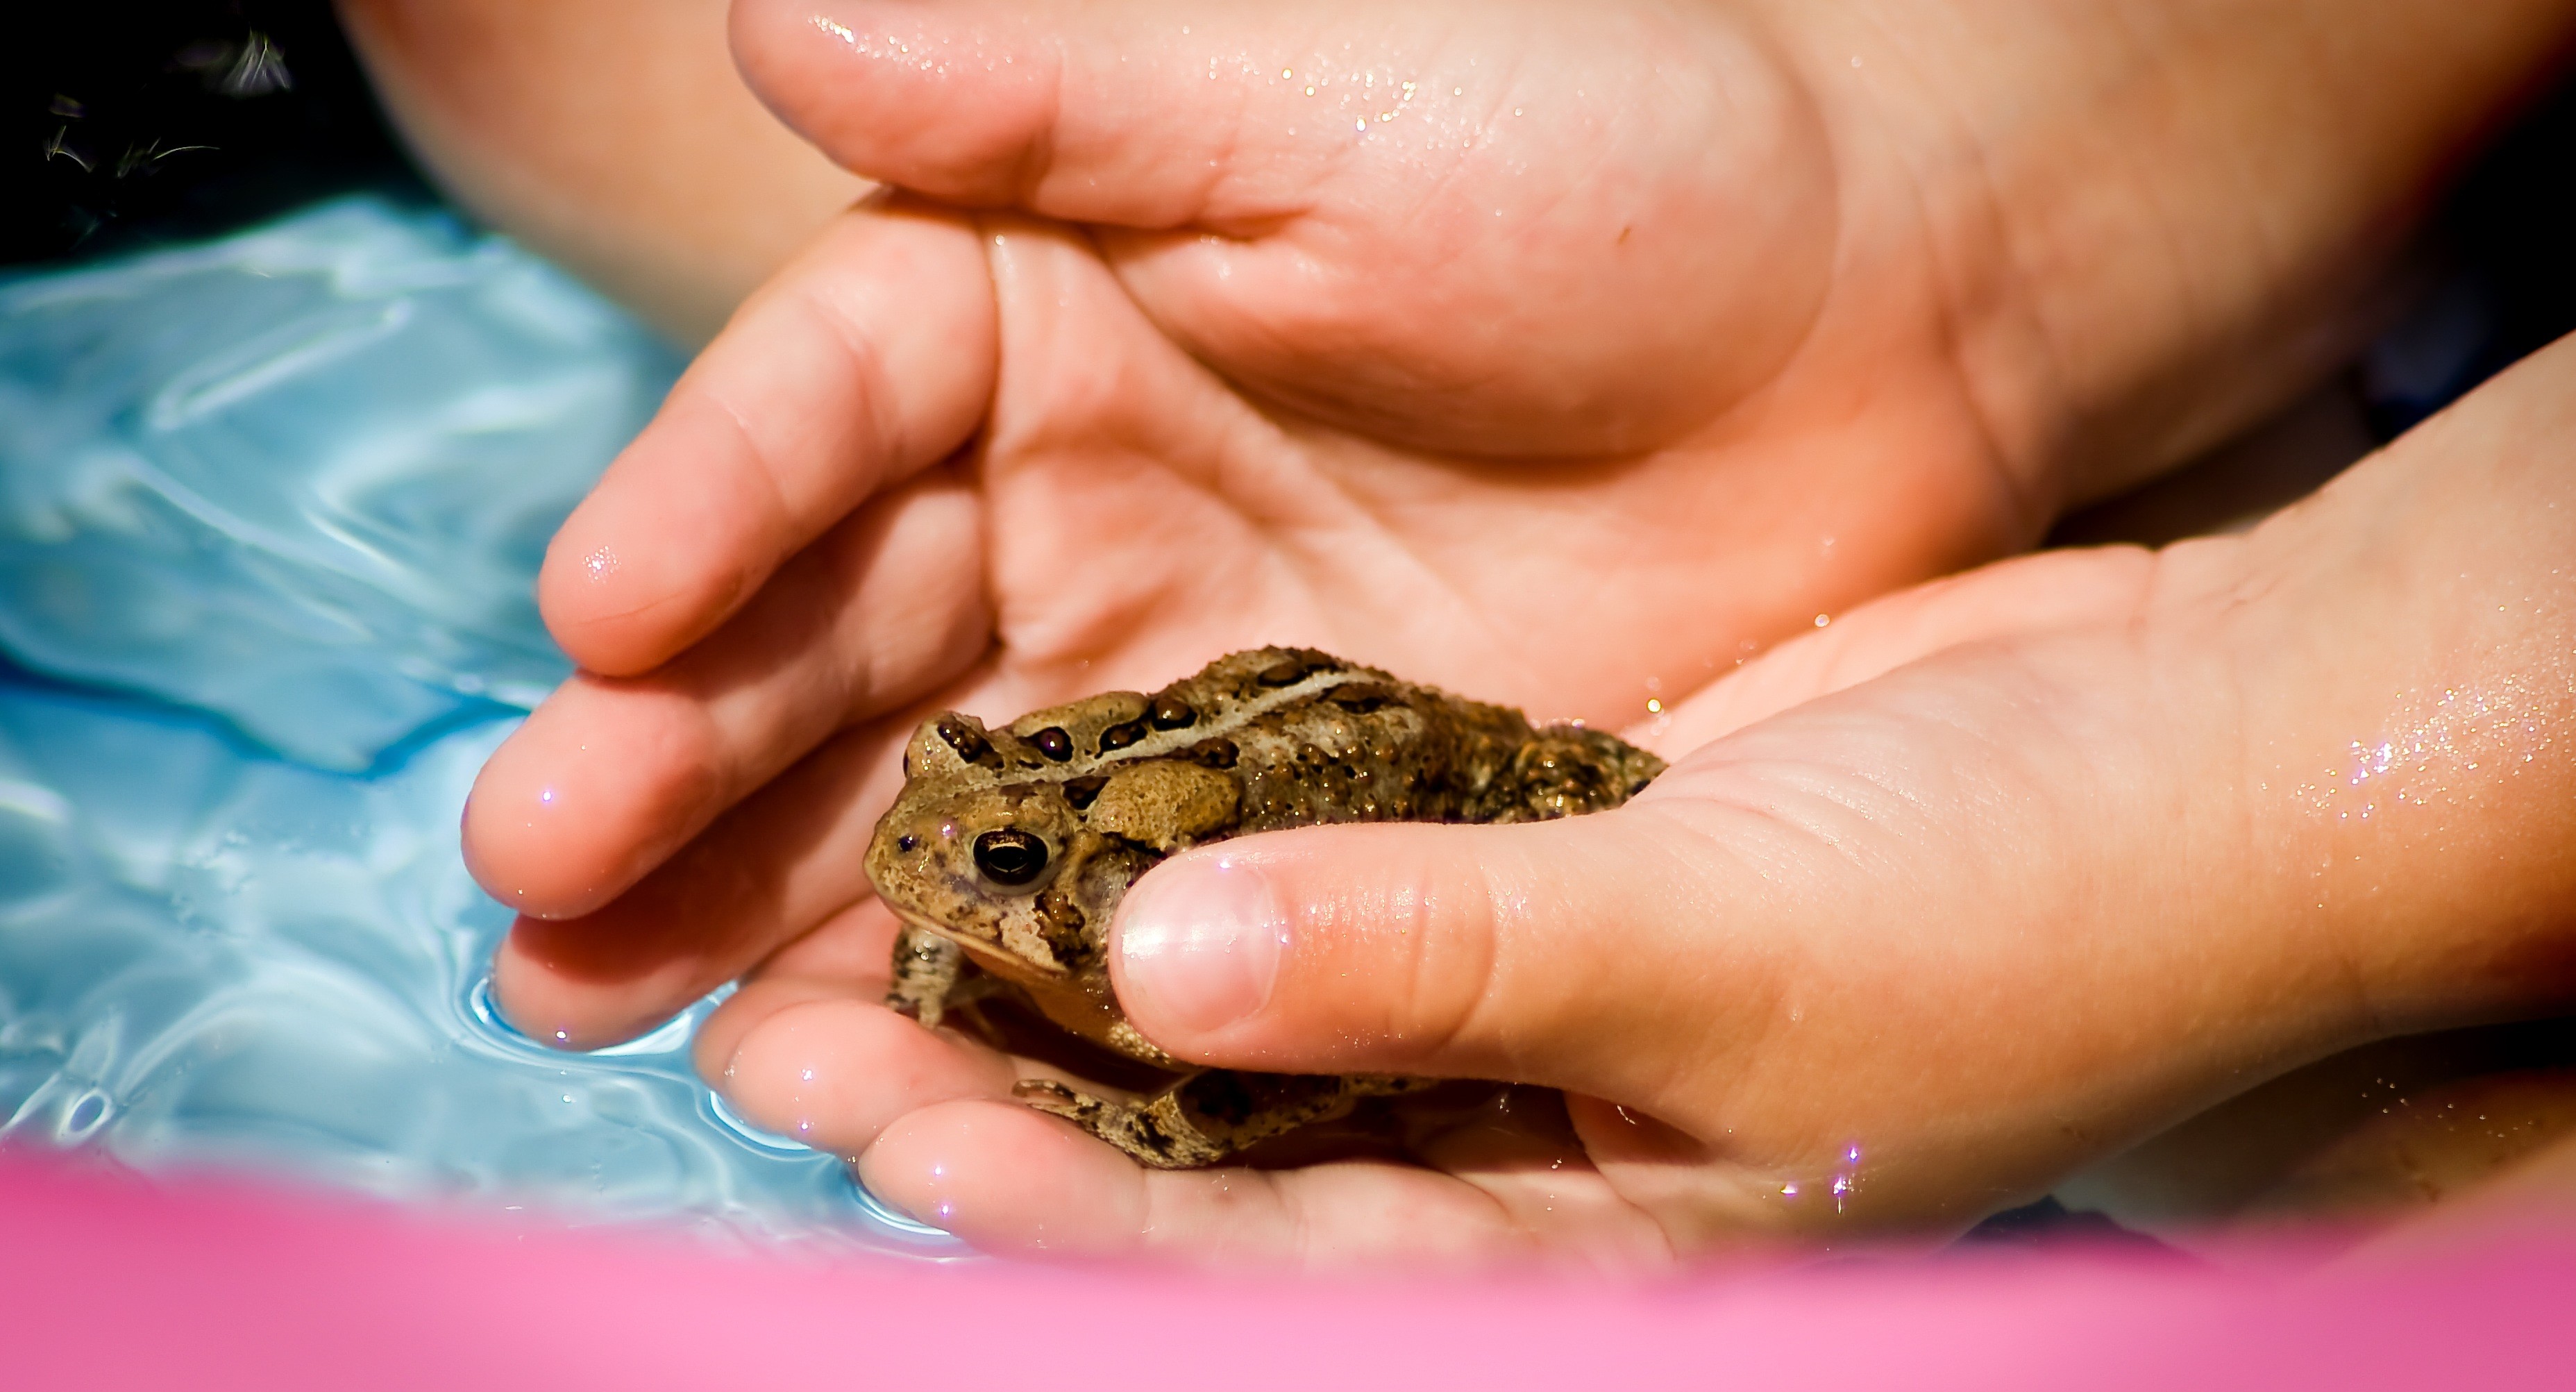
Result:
[{"x": 112, "y": 1283}]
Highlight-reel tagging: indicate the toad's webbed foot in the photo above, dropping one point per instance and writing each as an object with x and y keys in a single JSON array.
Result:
[{"x": 1209, "y": 1117}]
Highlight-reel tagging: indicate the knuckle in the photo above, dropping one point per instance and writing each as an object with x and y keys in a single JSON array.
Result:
[{"x": 1437, "y": 917}]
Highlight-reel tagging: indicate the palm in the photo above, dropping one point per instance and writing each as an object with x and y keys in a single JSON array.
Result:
[
  {"x": 1802, "y": 787},
  {"x": 1145, "y": 513}
]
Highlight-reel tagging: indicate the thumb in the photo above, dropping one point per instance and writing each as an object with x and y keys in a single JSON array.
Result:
[
  {"x": 1589, "y": 953},
  {"x": 1136, "y": 113},
  {"x": 1527, "y": 953},
  {"x": 1370, "y": 212}
]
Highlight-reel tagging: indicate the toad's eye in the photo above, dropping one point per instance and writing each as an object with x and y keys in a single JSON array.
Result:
[
  {"x": 907, "y": 842},
  {"x": 1010, "y": 857}
]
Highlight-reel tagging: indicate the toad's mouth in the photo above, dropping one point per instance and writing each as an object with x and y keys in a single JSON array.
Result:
[
  {"x": 914, "y": 918},
  {"x": 986, "y": 953}
]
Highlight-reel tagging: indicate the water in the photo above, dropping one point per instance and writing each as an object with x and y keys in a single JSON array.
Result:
[
  {"x": 270, "y": 511},
  {"x": 300, "y": 477}
]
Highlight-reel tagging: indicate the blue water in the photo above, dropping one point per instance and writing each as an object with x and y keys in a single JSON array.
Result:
[
  {"x": 270, "y": 514},
  {"x": 301, "y": 477}
]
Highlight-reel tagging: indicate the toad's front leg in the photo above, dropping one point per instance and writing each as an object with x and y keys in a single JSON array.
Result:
[{"x": 927, "y": 968}]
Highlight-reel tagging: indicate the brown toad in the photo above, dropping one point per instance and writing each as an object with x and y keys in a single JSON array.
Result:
[{"x": 1008, "y": 850}]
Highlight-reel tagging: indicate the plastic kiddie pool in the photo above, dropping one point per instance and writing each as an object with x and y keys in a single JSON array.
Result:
[
  {"x": 114, "y": 1286},
  {"x": 269, "y": 513}
]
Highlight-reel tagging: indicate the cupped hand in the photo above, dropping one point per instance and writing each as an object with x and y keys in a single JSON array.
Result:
[
  {"x": 1991, "y": 878},
  {"x": 1563, "y": 358}
]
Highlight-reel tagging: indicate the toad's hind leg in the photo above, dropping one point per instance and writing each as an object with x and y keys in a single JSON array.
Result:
[{"x": 1208, "y": 1117}]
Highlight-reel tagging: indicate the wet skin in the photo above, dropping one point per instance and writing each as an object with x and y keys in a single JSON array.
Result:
[{"x": 1896, "y": 363}]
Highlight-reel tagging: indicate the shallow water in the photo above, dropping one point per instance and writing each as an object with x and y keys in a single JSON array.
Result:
[
  {"x": 270, "y": 511},
  {"x": 301, "y": 477}
]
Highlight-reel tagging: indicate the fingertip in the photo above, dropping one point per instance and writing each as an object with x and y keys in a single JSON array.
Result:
[
  {"x": 583, "y": 800},
  {"x": 878, "y": 88},
  {"x": 1196, "y": 945},
  {"x": 560, "y": 985},
  {"x": 750, "y": 1008},
  {"x": 1009, "y": 1180},
  {"x": 834, "y": 1073},
  {"x": 1438, "y": 950},
  {"x": 592, "y": 611},
  {"x": 652, "y": 560},
  {"x": 511, "y": 835},
  {"x": 1296, "y": 951},
  {"x": 763, "y": 875}
]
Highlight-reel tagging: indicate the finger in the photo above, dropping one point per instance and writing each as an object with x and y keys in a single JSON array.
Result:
[
  {"x": 762, "y": 874},
  {"x": 1070, "y": 114},
  {"x": 2020, "y": 597},
  {"x": 868, "y": 359},
  {"x": 1511, "y": 178},
  {"x": 835, "y": 1072},
  {"x": 848, "y": 956},
  {"x": 1581, "y": 953},
  {"x": 1010, "y": 1180},
  {"x": 1154, "y": 114},
  {"x": 611, "y": 775},
  {"x": 1446, "y": 951},
  {"x": 804, "y": 1049}
]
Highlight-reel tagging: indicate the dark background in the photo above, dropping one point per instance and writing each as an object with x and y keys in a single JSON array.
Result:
[
  {"x": 131, "y": 122},
  {"x": 2511, "y": 224}
]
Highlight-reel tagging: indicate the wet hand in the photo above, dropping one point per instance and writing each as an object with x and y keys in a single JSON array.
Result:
[
  {"x": 1559, "y": 357},
  {"x": 1990, "y": 879}
]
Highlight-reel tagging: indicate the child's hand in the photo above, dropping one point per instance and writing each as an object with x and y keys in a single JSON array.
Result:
[
  {"x": 1751, "y": 312},
  {"x": 2057, "y": 853}
]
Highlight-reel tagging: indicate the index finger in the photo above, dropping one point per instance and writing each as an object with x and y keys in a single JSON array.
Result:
[{"x": 868, "y": 359}]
